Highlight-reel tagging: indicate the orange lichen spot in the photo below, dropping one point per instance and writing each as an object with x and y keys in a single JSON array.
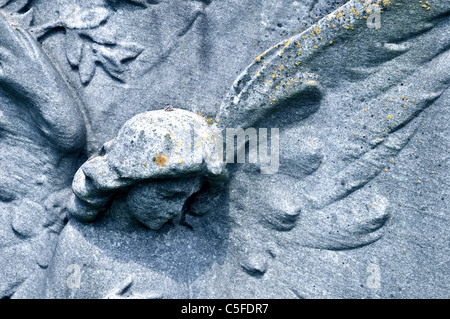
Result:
[
  {"x": 298, "y": 44},
  {"x": 389, "y": 117},
  {"x": 161, "y": 160}
]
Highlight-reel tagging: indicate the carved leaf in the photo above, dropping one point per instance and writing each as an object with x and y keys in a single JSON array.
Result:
[
  {"x": 74, "y": 48},
  {"x": 87, "y": 64},
  {"x": 113, "y": 58},
  {"x": 76, "y": 18}
]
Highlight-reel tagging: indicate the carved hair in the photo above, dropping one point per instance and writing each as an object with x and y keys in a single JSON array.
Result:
[{"x": 151, "y": 146}]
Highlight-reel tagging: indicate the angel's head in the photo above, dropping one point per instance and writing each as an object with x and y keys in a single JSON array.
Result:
[{"x": 159, "y": 160}]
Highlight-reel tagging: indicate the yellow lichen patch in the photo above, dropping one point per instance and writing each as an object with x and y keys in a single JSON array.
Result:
[
  {"x": 316, "y": 31},
  {"x": 287, "y": 43},
  {"x": 386, "y": 3},
  {"x": 209, "y": 121},
  {"x": 144, "y": 164},
  {"x": 339, "y": 14},
  {"x": 389, "y": 117},
  {"x": 181, "y": 161},
  {"x": 198, "y": 144},
  {"x": 258, "y": 59},
  {"x": 161, "y": 160}
]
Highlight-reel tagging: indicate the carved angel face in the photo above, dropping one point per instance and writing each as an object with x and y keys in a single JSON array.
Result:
[{"x": 155, "y": 203}]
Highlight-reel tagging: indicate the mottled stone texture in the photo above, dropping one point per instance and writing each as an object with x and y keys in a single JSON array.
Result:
[{"x": 97, "y": 202}]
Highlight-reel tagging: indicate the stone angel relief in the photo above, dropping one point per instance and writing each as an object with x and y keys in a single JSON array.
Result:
[{"x": 142, "y": 218}]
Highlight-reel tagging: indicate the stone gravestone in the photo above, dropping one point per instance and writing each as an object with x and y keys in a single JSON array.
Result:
[{"x": 119, "y": 175}]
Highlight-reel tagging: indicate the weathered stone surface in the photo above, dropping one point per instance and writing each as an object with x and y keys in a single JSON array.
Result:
[{"x": 356, "y": 209}]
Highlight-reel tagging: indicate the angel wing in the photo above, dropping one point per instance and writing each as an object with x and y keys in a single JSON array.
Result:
[
  {"x": 42, "y": 134},
  {"x": 367, "y": 71}
]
